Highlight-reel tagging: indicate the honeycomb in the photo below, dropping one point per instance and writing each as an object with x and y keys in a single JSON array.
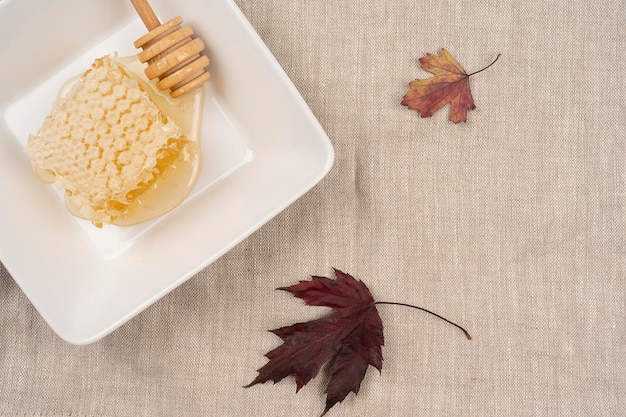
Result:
[{"x": 106, "y": 142}]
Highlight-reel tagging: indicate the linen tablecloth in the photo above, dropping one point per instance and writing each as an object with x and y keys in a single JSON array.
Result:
[{"x": 512, "y": 224}]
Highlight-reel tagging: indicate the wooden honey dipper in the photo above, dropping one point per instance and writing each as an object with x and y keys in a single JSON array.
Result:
[{"x": 172, "y": 55}]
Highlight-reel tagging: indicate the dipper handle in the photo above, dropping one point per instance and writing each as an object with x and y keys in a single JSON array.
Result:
[{"x": 146, "y": 14}]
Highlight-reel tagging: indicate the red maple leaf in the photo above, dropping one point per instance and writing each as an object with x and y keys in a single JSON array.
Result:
[
  {"x": 449, "y": 85},
  {"x": 351, "y": 337}
]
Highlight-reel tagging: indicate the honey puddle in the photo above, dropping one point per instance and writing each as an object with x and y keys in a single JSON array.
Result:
[{"x": 176, "y": 183}]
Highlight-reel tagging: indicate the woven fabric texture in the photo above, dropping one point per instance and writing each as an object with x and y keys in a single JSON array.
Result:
[{"x": 512, "y": 224}]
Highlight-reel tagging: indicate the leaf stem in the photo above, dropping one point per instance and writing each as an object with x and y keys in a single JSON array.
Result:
[
  {"x": 476, "y": 72},
  {"x": 428, "y": 311}
]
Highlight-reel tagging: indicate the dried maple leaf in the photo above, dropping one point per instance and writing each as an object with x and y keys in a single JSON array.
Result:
[
  {"x": 449, "y": 85},
  {"x": 351, "y": 337}
]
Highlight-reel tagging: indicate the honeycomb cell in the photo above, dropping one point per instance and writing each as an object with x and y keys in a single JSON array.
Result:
[
  {"x": 97, "y": 113},
  {"x": 123, "y": 105},
  {"x": 112, "y": 117},
  {"x": 126, "y": 120},
  {"x": 117, "y": 131},
  {"x": 133, "y": 95},
  {"x": 107, "y": 102},
  {"x": 141, "y": 124},
  {"x": 105, "y": 88}
]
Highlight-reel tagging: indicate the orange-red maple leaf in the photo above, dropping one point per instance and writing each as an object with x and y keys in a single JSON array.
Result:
[{"x": 449, "y": 85}]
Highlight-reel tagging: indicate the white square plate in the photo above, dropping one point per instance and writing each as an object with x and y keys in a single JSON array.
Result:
[{"x": 262, "y": 148}]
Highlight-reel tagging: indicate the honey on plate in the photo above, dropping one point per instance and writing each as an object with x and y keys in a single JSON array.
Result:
[{"x": 123, "y": 151}]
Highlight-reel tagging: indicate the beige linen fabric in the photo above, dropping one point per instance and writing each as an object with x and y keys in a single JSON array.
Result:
[{"x": 512, "y": 224}]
